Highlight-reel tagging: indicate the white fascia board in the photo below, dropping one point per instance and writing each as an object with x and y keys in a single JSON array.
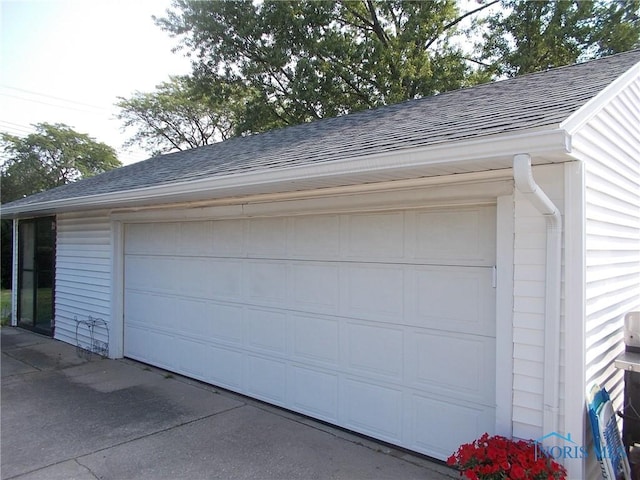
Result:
[
  {"x": 590, "y": 109},
  {"x": 553, "y": 142}
]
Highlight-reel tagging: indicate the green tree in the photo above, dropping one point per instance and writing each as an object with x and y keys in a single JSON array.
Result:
[
  {"x": 268, "y": 64},
  {"x": 525, "y": 37},
  {"x": 296, "y": 61},
  {"x": 52, "y": 156},
  {"x": 179, "y": 115}
]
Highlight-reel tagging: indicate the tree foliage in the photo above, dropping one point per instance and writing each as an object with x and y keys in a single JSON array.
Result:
[
  {"x": 52, "y": 156},
  {"x": 298, "y": 61},
  {"x": 178, "y": 115},
  {"x": 525, "y": 37},
  {"x": 268, "y": 64}
]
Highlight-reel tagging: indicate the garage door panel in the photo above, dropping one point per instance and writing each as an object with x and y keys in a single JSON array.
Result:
[
  {"x": 136, "y": 238},
  {"x": 267, "y": 330},
  {"x": 314, "y": 392},
  {"x": 195, "y": 276},
  {"x": 316, "y": 339},
  {"x": 153, "y": 311},
  {"x": 152, "y": 347},
  {"x": 152, "y": 273},
  {"x": 315, "y": 287},
  {"x": 315, "y": 237},
  {"x": 464, "y": 236},
  {"x": 375, "y": 349},
  {"x": 266, "y": 282},
  {"x": 192, "y": 318},
  {"x": 267, "y": 379},
  {"x": 225, "y": 279},
  {"x": 455, "y": 299},
  {"x": 267, "y": 237},
  {"x": 163, "y": 238},
  {"x": 374, "y": 321},
  {"x": 153, "y": 238},
  {"x": 194, "y": 357},
  {"x": 374, "y": 291},
  {"x": 228, "y": 238},
  {"x": 439, "y": 426},
  {"x": 458, "y": 366},
  {"x": 226, "y": 322},
  {"x": 376, "y": 235},
  {"x": 373, "y": 409},
  {"x": 226, "y": 368},
  {"x": 195, "y": 239}
]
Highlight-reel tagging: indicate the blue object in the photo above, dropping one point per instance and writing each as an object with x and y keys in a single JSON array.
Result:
[{"x": 610, "y": 451}]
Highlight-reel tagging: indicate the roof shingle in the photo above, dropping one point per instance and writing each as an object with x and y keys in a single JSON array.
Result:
[{"x": 536, "y": 100}]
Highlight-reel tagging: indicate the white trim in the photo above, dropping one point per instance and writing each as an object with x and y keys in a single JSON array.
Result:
[
  {"x": 116, "y": 340},
  {"x": 372, "y": 187},
  {"x": 504, "y": 315},
  {"x": 590, "y": 109},
  {"x": 14, "y": 274},
  {"x": 400, "y": 164},
  {"x": 574, "y": 314},
  {"x": 400, "y": 194}
]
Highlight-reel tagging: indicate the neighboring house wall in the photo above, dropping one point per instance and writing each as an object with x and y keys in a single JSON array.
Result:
[
  {"x": 83, "y": 274},
  {"x": 529, "y": 304},
  {"x": 609, "y": 145}
]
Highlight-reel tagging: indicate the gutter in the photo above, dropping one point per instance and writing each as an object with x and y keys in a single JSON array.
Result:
[
  {"x": 470, "y": 155},
  {"x": 525, "y": 183}
]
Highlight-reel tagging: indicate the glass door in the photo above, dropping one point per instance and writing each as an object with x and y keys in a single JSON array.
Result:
[{"x": 36, "y": 260}]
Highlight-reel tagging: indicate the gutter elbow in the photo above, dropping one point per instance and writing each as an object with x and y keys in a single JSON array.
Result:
[{"x": 523, "y": 178}]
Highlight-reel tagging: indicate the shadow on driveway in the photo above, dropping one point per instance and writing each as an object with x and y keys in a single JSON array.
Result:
[{"x": 65, "y": 417}]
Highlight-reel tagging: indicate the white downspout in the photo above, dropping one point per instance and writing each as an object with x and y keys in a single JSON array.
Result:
[{"x": 523, "y": 177}]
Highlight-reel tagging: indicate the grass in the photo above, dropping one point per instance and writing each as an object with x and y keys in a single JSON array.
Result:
[{"x": 5, "y": 307}]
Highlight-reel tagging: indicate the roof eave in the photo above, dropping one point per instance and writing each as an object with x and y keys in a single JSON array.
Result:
[{"x": 471, "y": 155}]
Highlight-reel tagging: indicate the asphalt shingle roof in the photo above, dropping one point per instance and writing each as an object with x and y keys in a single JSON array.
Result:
[{"x": 530, "y": 101}]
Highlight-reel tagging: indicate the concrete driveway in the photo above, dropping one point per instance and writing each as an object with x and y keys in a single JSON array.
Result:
[{"x": 66, "y": 417}]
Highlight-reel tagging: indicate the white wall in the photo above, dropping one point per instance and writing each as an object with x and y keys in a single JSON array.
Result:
[
  {"x": 609, "y": 145},
  {"x": 83, "y": 274},
  {"x": 529, "y": 303}
]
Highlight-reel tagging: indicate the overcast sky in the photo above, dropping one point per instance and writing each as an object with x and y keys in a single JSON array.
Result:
[{"x": 67, "y": 60}]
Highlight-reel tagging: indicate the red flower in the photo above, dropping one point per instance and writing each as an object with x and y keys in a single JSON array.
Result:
[
  {"x": 498, "y": 458},
  {"x": 517, "y": 472}
]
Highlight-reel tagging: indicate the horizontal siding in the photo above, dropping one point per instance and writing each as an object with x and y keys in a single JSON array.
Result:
[
  {"x": 83, "y": 275},
  {"x": 529, "y": 304},
  {"x": 609, "y": 145}
]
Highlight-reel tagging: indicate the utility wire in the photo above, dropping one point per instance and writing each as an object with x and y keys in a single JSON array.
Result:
[
  {"x": 65, "y": 107},
  {"x": 14, "y": 130},
  {"x": 53, "y": 97}
]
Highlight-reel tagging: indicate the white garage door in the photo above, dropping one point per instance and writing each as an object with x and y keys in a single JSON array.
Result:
[{"x": 383, "y": 323}]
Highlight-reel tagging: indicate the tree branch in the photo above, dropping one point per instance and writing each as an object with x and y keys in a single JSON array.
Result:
[
  {"x": 377, "y": 27},
  {"x": 458, "y": 20}
]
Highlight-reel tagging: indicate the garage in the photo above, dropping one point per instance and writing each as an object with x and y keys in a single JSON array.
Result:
[{"x": 379, "y": 322}]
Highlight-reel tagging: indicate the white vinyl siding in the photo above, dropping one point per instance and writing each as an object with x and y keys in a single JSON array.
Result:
[
  {"x": 529, "y": 304},
  {"x": 609, "y": 145},
  {"x": 83, "y": 273}
]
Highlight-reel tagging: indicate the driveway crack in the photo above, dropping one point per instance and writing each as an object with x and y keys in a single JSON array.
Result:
[{"x": 86, "y": 468}]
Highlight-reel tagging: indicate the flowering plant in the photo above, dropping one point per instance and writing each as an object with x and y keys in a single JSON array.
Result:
[{"x": 499, "y": 458}]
